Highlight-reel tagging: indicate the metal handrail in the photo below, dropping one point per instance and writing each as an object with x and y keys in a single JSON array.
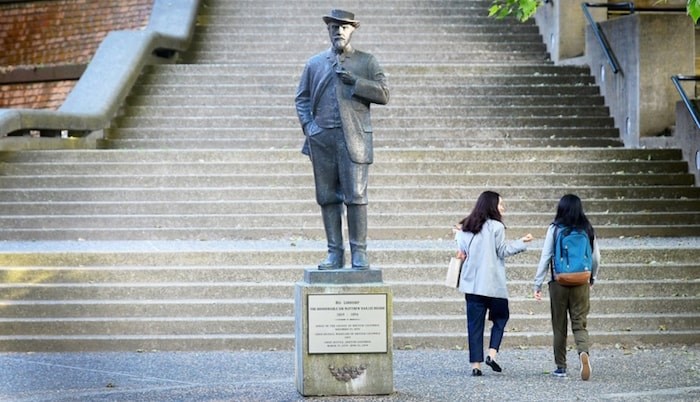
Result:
[
  {"x": 629, "y": 7},
  {"x": 684, "y": 97},
  {"x": 600, "y": 36}
]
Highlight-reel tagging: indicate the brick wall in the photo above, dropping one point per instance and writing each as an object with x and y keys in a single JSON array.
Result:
[
  {"x": 35, "y": 95},
  {"x": 56, "y": 32}
]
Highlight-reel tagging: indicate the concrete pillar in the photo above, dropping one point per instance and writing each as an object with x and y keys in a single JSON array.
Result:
[
  {"x": 687, "y": 138},
  {"x": 562, "y": 26},
  {"x": 650, "y": 48}
]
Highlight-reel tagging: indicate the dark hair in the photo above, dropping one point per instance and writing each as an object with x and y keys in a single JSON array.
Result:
[
  {"x": 486, "y": 208},
  {"x": 570, "y": 214}
]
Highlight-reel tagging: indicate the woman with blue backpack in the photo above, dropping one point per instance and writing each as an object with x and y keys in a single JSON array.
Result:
[{"x": 570, "y": 257}]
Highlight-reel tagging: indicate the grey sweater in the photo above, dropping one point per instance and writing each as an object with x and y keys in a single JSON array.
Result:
[{"x": 484, "y": 270}]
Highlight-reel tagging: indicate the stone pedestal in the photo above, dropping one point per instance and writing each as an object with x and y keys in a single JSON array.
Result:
[{"x": 343, "y": 333}]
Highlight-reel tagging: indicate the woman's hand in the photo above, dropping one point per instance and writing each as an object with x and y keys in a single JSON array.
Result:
[
  {"x": 538, "y": 295},
  {"x": 527, "y": 238}
]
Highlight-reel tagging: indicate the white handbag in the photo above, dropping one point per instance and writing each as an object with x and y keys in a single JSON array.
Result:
[
  {"x": 453, "y": 272},
  {"x": 454, "y": 269}
]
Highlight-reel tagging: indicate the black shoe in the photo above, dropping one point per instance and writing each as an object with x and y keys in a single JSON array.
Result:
[
  {"x": 476, "y": 372},
  {"x": 359, "y": 260},
  {"x": 332, "y": 261},
  {"x": 493, "y": 364}
]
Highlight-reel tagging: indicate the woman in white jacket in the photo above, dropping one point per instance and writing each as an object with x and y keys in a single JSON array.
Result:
[{"x": 482, "y": 241}]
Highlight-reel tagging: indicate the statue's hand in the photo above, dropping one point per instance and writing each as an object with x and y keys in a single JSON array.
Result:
[{"x": 347, "y": 77}]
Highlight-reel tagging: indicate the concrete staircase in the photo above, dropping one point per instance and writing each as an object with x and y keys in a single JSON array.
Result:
[
  {"x": 170, "y": 297},
  {"x": 189, "y": 227}
]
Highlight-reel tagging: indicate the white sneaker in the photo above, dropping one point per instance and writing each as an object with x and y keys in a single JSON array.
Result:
[{"x": 585, "y": 366}]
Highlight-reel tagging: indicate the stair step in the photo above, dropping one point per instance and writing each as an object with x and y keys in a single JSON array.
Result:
[
  {"x": 396, "y": 137},
  {"x": 454, "y": 206},
  {"x": 446, "y": 112},
  {"x": 371, "y": 24},
  {"x": 165, "y": 167},
  {"x": 403, "y": 101},
  {"x": 390, "y": 56},
  {"x": 235, "y": 221},
  {"x": 217, "y": 180},
  {"x": 262, "y": 342},
  {"x": 238, "y": 46},
  {"x": 167, "y": 73},
  {"x": 285, "y": 325},
  {"x": 198, "y": 233},
  {"x": 58, "y": 254},
  {"x": 393, "y": 193},
  {"x": 216, "y": 36},
  {"x": 406, "y": 154},
  {"x": 429, "y": 90},
  {"x": 379, "y": 122},
  {"x": 312, "y": 30},
  {"x": 285, "y": 307},
  {"x": 256, "y": 271},
  {"x": 187, "y": 144}
]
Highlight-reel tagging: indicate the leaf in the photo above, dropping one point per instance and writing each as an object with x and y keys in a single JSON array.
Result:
[
  {"x": 528, "y": 9},
  {"x": 694, "y": 10}
]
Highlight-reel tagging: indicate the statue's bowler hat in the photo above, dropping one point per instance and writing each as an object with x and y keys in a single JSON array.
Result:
[{"x": 341, "y": 17}]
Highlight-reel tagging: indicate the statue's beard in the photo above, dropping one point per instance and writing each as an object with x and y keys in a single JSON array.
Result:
[{"x": 339, "y": 45}]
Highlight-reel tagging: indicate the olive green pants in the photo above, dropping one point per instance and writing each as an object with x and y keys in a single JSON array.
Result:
[{"x": 574, "y": 303}]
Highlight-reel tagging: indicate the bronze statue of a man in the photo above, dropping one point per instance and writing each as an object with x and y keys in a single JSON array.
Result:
[{"x": 333, "y": 101}]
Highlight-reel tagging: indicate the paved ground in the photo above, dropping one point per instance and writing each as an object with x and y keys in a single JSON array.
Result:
[{"x": 647, "y": 374}]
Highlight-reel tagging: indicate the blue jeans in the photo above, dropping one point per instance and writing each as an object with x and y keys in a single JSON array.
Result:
[{"x": 476, "y": 317}]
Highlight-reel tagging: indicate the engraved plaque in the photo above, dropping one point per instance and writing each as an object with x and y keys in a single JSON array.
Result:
[{"x": 347, "y": 323}]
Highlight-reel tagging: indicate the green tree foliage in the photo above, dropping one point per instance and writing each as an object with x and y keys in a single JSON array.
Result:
[
  {"x": 524, "y": 9},
  {"x": 521, "y": 9},
  {"x": 694, "y": 10}
]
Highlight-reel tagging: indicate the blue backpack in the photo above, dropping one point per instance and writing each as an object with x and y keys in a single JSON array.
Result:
[{"x": 573, "y": 257}]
